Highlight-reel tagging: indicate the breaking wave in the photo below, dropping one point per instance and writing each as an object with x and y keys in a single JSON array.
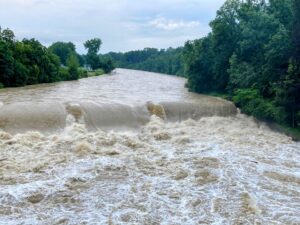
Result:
[{"x": 53, "y": 117}]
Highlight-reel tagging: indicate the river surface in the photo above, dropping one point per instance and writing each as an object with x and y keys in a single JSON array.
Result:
[
  {"x": 137, "y": 148},
  {"x": 123, "y": 86}
]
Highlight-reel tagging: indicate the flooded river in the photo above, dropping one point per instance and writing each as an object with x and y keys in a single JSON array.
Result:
[{"x": 138, "y": 148}]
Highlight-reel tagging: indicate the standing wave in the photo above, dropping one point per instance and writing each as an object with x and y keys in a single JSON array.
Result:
[{"x": 52, "y": 117}]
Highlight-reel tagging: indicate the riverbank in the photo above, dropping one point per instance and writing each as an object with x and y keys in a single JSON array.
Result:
[
  {"x": 83, "y": 74},
  {"x": 94, "y": 73}
]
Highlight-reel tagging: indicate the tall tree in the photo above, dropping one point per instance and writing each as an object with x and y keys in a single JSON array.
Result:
[
  {"x": 73, "y": 65},
  {"x": 93, "y": 45},
  {"x": 63, "y": 50},
  {"x": 92, "y": 57},
  {"x": 296, "y": 28},
  {"x": 225, "y": 36}
]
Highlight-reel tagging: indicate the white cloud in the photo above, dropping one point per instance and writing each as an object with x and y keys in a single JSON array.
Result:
[
  {"x": 121, "y": 24},
  {"x": 167, "y": 24}
]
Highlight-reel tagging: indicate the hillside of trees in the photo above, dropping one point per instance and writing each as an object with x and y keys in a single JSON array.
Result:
[
  {"x": 253, "y": 56},
  {"x": 28, "y": 62},
  {"x": 168, "y": 61}
]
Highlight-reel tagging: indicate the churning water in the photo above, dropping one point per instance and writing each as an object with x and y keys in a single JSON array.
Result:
[{"x": 137, "y": 148}]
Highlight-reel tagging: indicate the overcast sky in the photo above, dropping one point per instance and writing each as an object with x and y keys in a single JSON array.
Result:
[{"x": 121, "y": 24}]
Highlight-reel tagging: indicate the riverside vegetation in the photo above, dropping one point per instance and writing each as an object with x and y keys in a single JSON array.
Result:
[
  {"x": 28, "y": 62},
  {"x": 251, "y": 56},
  {"x": 168, "y": 61}
]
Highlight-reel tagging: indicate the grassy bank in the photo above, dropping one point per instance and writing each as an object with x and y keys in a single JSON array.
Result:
[{"x": 94, "y": 73}]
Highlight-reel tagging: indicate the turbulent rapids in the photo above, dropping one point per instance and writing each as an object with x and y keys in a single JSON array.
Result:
[{"x": 137, "y": 148}]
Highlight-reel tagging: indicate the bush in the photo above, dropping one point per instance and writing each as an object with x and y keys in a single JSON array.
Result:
[
  {"x": 64, "y": 73},
  {"x": 73, "y": 65},
  {"x": 252, "y": 103},
  {"x": 99, "y": 72},
  {"x": 82, "y": 72}
]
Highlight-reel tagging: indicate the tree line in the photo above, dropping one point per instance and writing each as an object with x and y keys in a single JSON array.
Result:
[
  {"x": 28, "y": 62},
  {"x": 166, "y": 61},
  {"x": 252, "y": 55}
]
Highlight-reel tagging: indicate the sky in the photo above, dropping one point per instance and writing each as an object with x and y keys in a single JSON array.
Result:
[{"x": 122, "y": 25}]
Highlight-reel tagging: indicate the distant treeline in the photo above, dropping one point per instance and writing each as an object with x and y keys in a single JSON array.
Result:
[
  {"x": 28, "y": 62},
  {"x": 167, "y": 61},
  {"x": 252, "y": 55}
]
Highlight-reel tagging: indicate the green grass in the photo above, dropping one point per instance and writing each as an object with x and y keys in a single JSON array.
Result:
[{"x": 97, "y": 72}]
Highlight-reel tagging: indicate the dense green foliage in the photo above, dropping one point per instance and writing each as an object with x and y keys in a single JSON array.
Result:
[
  {"x": 252, "y": 54},
  {"x": 28, "y": 62},
  {"x": 150, "y": 59},
  {"x": 96, "y": 61},
  {"x": 93, "y": 47},
  {"x": 63, "y": 51}
]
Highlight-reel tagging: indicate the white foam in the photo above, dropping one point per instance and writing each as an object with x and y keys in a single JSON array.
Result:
[{"x": 216, "y": 177}]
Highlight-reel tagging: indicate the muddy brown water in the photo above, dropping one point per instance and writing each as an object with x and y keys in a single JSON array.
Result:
[{"x": 138, "y": 148}]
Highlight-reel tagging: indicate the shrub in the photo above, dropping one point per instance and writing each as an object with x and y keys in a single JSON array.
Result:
[
  {"x": 82, "y": 72},
  {"x": 64, "y": 73},
  {"x": 99, "y": 72},
  {"x": 252, "y": 103}
]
